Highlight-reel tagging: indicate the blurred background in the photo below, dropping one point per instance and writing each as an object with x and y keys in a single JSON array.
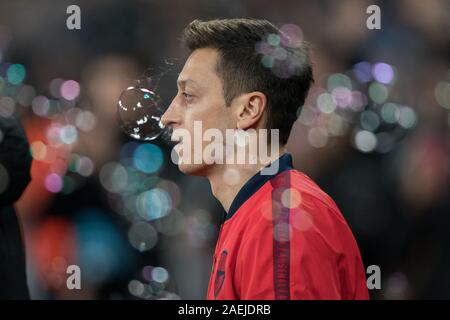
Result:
[{"x": 374, "y": 133}]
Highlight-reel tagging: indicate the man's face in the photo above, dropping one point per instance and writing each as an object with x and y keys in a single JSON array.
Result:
[{"x": 199, "y": 98}]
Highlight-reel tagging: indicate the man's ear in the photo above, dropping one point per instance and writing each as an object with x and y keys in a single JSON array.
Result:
[{"x": 250, "y": 109}]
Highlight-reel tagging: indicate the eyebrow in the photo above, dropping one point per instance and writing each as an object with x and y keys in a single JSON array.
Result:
[{"x": 183, "y": 82}]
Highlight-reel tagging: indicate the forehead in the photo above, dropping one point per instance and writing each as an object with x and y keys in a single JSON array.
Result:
[{"x": 200, "y": 68}]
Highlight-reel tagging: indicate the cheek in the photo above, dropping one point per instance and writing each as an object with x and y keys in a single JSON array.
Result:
[
  {"x": 189, "y": 116},
  {"x": 210, "y": 111},
  {"x": 215, "y": 114},
  {"x": 222, "y": 119}
]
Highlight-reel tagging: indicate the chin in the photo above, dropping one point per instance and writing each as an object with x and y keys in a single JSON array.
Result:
[
  {"x": 193, "y": 169},
  {"x": 187, "y": 167}
]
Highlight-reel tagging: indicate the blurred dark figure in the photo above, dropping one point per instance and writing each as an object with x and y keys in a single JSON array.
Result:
[{"x": 15, "y": 164}]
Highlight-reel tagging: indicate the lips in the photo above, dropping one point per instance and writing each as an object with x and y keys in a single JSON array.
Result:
[{"x": 176, "y": 141}]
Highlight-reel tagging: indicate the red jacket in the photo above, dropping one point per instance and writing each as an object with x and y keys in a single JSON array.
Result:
[{"x": 285, "y": 238}]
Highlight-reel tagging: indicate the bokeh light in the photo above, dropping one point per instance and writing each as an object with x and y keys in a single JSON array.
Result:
[
  {"x": 38, "y": 150},
  {"x": 199, "y": 228},
  {"x": 359, "y": 101},
  {"x": 153, "y": 204},
  {"x": 172, "y": 224},
  {"x": 53, "y": 183},
  {"x": 369, "y": 120},
  {"x": 160, "y": 274},
  {"x": 291, "y": 198},
  {"x": 54, "y": 135},
  {"x": 40, "y": 106},
  {"x": 7, "y": 107},
  {"x": 325, "y": 103},
  {"x": 68, "y": 134},
  {"x": 16, "y": 74},
  {"x": 142, "y": 236},
  {"x": 407, "y": 117},
  {"x": 385, "y": 142},
  {"x": 362, "y": 72},
  {"x": 273, "y": 39},
  {"x": 148, "y": 158},
  {"x": 336, "y": 125},
  {"x": 378, "y": 92},
  {"x": 317, "y": 137},
  {"x": 365, "y": 141},
  {"x": 113, "y": 177},
  {"x": 267, "y": 61},
  {"x": 171, "y": 187},
  {"x": 55, "y": 87},
  {"x": 68, "y": 185},
  {"x": 85, "y": 121},
  {"x": 390, "y": 113},
  {"x": 383, "y": 73},
  {"x": 282, "y": 232},
  {"x": 292, "y": 35},
  {"x": 302, "y": 220},
  {"x": 338, "y": 80},
  {"x": 84, "y": 166},
  {"x": 342, "y": 97},
  {"x": 26, "y": 95},
  {"x": 277, "y": 54},
  {"x": 136, "y": 288},
  {"x": 70, "y": 90}
]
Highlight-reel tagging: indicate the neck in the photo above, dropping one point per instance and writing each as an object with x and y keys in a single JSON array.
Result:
[{"x": 227, "y": 179}]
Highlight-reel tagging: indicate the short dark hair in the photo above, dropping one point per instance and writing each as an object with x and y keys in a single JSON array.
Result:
[{"x": 285, "y": 81}]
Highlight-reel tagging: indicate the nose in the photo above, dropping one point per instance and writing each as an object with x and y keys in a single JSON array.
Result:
[{"x": 170, "y": 117}]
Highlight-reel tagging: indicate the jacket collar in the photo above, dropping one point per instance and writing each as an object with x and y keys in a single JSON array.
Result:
[{"x": 256, "y": 182}]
